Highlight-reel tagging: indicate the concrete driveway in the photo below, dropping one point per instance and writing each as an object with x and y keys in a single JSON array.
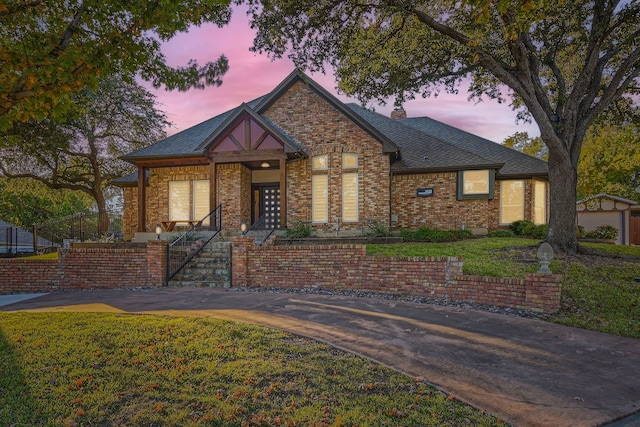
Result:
[{"x": 527, "y": 372}]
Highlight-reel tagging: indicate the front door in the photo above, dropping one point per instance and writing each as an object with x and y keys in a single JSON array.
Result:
[{"x": 266, "y": 202}]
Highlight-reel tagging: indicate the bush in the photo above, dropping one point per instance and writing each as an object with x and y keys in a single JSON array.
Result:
[
  {"x": 425, "y": 234},
  {"x": 528, "y": 228},
  {"x": 378, "y": 229},
  {"x": 540, "y": 231},
  {"x": 299, "y": 230},
  {"x": 501, "y": 233},
  {"x": 605, "y": 232},
  {"x": 522, "y": 228}
]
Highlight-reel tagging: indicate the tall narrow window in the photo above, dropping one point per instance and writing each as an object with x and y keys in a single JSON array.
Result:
[
  {"x": 539, "y": 202},
  {"x": 511, "y": 201},
  {"x": 201, "y": 200},
  {"x": 179, "y": 207},
  {"x": 320, "y": 198},
  {"x": 350, "y": 197}
]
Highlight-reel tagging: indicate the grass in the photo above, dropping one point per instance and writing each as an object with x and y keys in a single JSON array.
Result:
[
  {"x": 598, "y": 292},
  {"x": 71, "y": 369},
  {"x": 50, "y": 255}
]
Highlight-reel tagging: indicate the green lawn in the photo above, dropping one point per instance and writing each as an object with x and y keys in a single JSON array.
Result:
[
  {"x": 73, "y": 369},
  {"x": 598, "y": 291}
]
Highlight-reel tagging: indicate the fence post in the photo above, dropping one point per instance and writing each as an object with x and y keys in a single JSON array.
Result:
[{"x": 35, "y": 239}]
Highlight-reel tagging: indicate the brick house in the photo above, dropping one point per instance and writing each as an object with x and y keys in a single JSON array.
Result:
[{"x": 299, "y": 154}]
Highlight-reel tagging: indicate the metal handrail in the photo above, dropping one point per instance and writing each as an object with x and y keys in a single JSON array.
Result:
[
  {"x": 259, "y": 225},
  {"x": 185, "y": 247}
]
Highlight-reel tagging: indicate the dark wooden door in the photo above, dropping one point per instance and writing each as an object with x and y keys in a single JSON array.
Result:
[{"x": 266, "y": 202}]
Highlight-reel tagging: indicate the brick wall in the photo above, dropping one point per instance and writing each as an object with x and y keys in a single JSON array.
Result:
[
  {"x": 443, "y": 210},
  {"x": 87, "y": 268},
  {"x": 324, "y": 130},
  {"x": 347, "y": 267}
]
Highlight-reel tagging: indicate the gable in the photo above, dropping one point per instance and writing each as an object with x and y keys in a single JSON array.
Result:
[{"x": 247, "y": 135}]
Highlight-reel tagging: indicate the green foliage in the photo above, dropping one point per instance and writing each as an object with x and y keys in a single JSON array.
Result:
[
  {"x": 610, "y": 161},
  {"x": 49, "y": 50},
  {"x": 501, "y": 233},
  {"x": 531, "y": 146},
  {"x": 299, "y": 230},
  {"x": 115, "y": 369},
  {"x": 83, "y": 152},
  {"x": 606, "y": 232},
  {"x": 378, "y": 229},
  {"x": 425, "y": 234},
  {"x": 522, "y": 228},
  {"x": 27, "y": 202}
]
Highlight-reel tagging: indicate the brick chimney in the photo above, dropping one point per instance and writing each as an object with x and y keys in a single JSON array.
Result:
[{"x": 398, "y": 113}]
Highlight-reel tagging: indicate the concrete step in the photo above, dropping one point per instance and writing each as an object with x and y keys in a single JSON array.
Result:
[{"x": 211, "y": 267}]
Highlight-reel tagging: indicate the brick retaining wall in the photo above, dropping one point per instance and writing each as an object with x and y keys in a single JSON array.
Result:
[
  {"x": 87, "y": 268},
  {"x": 348, "y": 267}
]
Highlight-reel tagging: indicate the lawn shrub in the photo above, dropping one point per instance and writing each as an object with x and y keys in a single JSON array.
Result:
[
  {"x": 528, "y": 228},
  {"x": 501, "y": 233},
  {"x": 378, "y": 229},
  {"x": 606, "y": 232},
  {"x": 299, "y": 230},
  {"x": 425, "y": 234}
]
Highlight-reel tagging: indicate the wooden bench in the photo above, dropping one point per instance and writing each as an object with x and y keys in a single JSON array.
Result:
[{"x": 169, "y": 225}]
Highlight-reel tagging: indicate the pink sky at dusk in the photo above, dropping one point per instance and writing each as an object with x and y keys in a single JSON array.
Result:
[{"x": 251, "y": 75}]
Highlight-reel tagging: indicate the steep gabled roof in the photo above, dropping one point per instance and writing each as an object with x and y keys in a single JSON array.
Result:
[
  {"x": 516, "y": 164},
  {"x": 388, "y": 145},
  {"x": 186, "y": 143},
  {"x": 244, "y": 110},
  {"x": 421, "y": 151}
]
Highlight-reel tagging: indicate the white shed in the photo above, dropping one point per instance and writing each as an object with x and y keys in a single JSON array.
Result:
[{"x": 603, "y": 209}]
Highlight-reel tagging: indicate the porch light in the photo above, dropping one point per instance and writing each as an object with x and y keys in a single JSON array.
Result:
[
  {"x": 158, "y": 231},
  {"x": 265, "y": 164},
  {"x": 243, "y": 226}
]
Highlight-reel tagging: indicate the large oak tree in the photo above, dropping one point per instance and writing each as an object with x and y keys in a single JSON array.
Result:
[
  {"x": 561, "y": 63},
  {"x": 50, "y": 49},
  {"x": 82, "y": 152}
]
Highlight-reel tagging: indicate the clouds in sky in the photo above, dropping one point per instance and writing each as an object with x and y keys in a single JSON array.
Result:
[{"x": 252, "y": 75}]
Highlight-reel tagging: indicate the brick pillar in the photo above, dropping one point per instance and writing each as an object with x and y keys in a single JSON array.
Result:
[
  {"x": 542, "y": 292},
  {"x": 157, "y": 262},
  {"x": 240, "y": 260}
]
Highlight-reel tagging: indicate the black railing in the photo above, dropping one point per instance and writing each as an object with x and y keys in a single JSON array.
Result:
[
  {"x": 77, "y": 227},
  {"x": 189, "y": 243},
  {"x": 260, "y": 226},
  {"x": 15, "y": 241}
]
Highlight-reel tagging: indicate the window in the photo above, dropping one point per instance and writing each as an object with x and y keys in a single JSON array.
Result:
[
  {"x": 319, "y": 198},
  {"x": 201, "y": 200},
  {"x": 475, "y": 184},
  {"x": 539, "y": 202},
  {"x": 188, "y": 200},
  {"x": 320, "y": 163},
  {"x": 349, "y": 161},
  {"x": 350, "y": 197},
  {"x": 511, "y": 201}
]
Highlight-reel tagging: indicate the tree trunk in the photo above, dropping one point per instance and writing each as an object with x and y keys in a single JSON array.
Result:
[
  {"x": 563, "y": 178},
  {"x": 103, "y": 216}
]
